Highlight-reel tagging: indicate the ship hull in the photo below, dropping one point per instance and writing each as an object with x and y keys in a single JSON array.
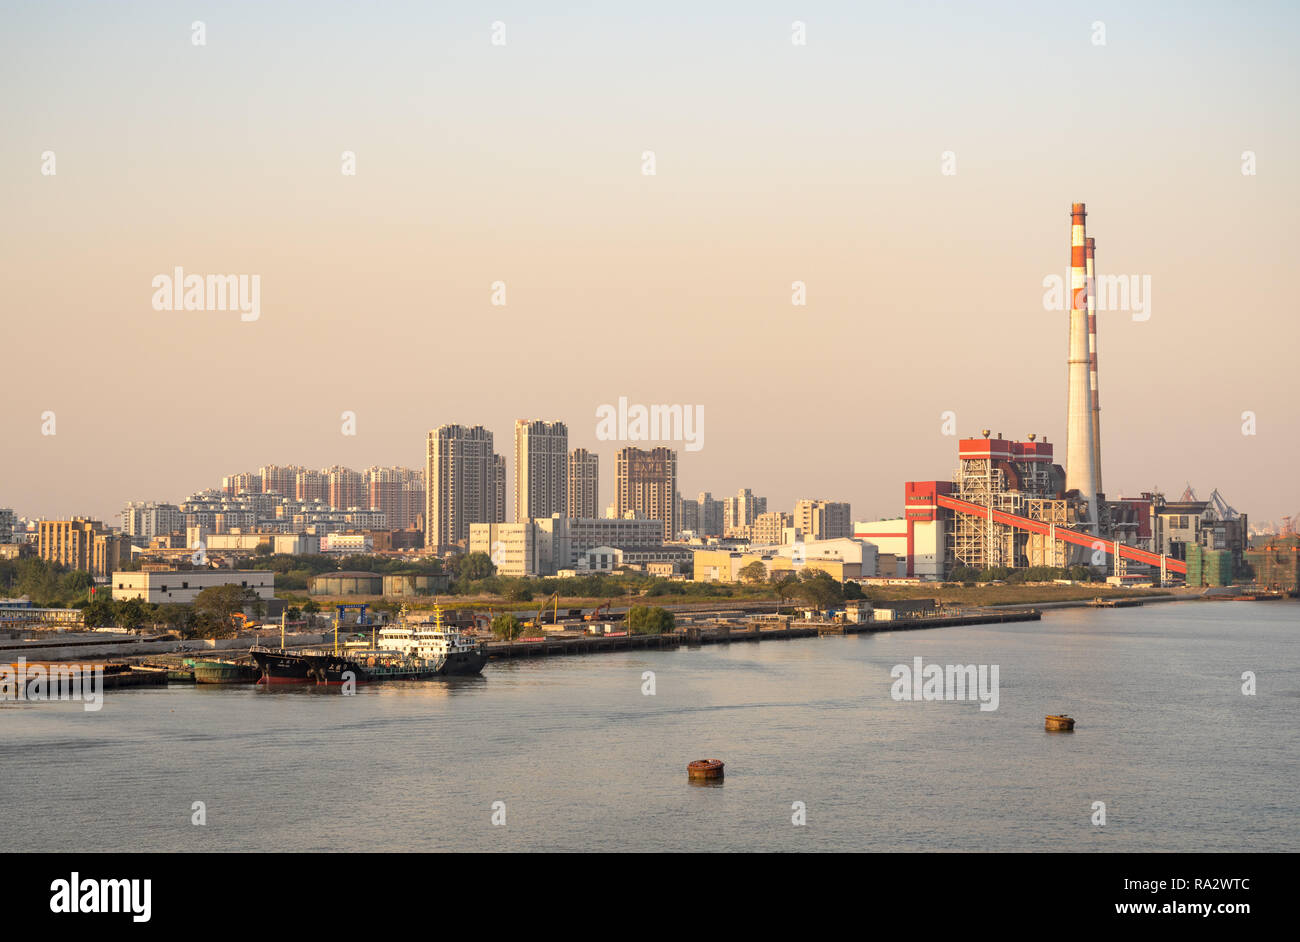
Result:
[
  {"x": 464, "y": 664},
  {"x": 278, "y": 667},
  {"x": 282, "y": 668},
  {"x": 224, "y": 672}
]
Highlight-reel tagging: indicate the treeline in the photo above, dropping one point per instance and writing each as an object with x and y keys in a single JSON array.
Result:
[
  {"x": 47, "y": 584},
  {"x": 641, "y": 620},
  {"x": 215, "y": 613},
  {"x": 968, "y": 576}
]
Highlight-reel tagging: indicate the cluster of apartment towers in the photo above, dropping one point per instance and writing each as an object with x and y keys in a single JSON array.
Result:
[{"x": 467, "y": 486}]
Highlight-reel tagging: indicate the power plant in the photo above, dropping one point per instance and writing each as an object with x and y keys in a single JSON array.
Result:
[{"x": 1009, "y": 505}]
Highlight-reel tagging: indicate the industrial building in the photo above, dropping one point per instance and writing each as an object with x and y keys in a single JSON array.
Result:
[
  {"x": 843, "y": 558},
  {"x": 183, "y": 585},
  {"x": 543, "y": 547},
  {"x": 1010, "y": 505}
]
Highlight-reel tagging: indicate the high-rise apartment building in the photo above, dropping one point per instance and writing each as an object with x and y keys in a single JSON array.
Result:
[
  {"x": 310, "y": 485},
  {"x": 245, "y": 482},
  {"x": 397, "y": 492},
  {"x": 769, "y": 528},
  {"x": 541, "y": 469},
  {"x": 279, "y": 479},
  {"x": 584, "y": 483},
  {"x": 346, "y": 488},
  {"x": 711, "y": 517},
  {"x": 143, "y": 520},
  {"x": 647, "y": 483},
  {"x": 82, "y": 543},
  {"x": 499, "y": 489},
  {"x": 461, "y": 479},
  {"x": 740, "y": 512},
  {"x": 823, "y": 519},
  {"x": 690, "y": 519}
]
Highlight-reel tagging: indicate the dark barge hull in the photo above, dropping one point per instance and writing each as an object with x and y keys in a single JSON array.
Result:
[
  {"x": 464, "y": 664},
  {"x": 280, "y": 667}
]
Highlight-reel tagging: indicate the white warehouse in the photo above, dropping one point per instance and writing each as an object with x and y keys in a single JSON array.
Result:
[{"x": 183, "y": 585}]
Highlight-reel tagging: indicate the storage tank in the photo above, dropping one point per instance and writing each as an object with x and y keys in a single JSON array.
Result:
[
  {"x": 347, "y": 583},
  {"x": 414, "y": 583}
]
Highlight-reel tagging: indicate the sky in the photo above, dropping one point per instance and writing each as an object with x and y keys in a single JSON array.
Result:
[{"x": 522, "y": 163}]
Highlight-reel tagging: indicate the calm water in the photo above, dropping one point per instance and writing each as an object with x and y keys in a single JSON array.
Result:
[{"x": 584, "y": 761}]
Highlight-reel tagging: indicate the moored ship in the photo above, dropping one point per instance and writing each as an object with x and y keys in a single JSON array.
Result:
[
  {"x": 223, "y": 672},
  {"x": 403, "y": 651}
]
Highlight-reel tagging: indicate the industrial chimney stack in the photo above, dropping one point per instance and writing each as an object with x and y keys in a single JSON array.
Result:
[
  {"x": 1080, "y": 447},
  {"x": 1092, "y": 364}
]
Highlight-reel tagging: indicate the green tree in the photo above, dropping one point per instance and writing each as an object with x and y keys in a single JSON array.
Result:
[
  {"x": 215, "y": 606},
  {"x": 518, "y": 590},
  {"x": 131, "y": 613},
  {"x": 506, "y": 627},
  {"x": 819, "y": 588},
  {"x": 474, "y": 566},
  {"x": 755, "y": 572},
  {"x": 785, "y": 583},
  {"x": 645, "y": 620},
  {"x": 98, "y": 614}
]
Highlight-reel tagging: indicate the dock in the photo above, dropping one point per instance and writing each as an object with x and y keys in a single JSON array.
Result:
[{"x": 751, "y": 631}]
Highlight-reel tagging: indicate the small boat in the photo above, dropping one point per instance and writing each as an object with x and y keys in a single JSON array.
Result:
[
  {"x": 1062, "y": 723},
  {"x": 704, "y": 769},
  {"x": 225, "y": 672}
]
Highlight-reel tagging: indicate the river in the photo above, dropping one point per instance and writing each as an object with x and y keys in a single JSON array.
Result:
[{"x": 574, "y": 756}]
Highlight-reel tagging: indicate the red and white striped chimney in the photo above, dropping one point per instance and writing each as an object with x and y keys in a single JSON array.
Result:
[
  {"x": 1092, "y": 363},
  {"x": 1080, "y": 460}
]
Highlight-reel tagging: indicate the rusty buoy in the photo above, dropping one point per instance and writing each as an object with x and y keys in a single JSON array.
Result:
[
  {"x": 704, "y": 769},
  {"x": 1061, "y": 723}
]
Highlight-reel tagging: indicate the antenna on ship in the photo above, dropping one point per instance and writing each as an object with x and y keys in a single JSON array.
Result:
[
  {"x": 283, "y": 615},
  {"x": 336, "y": 633}
]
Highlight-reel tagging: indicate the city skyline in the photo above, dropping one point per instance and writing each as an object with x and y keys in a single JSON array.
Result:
[{"x": 924, "y": 290}]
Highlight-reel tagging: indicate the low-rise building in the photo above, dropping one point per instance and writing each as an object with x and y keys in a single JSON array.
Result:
[
  {"x": 842, "y": 559},
  {"x": 542, "y": 547},
  {"x": 184, "y": 585}
]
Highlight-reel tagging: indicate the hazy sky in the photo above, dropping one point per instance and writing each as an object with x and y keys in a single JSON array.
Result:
[{"x": 523, "y": 163}]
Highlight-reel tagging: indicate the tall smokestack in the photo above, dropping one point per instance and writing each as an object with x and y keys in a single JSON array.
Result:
[
  {"x": 1080, "y": 460},
  {"x": 1092, "y": 364}
]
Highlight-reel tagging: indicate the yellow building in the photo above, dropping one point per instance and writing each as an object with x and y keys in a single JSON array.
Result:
[
  {"x": 726, "y": 565},
  {"x": 81, "y": 543}
]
